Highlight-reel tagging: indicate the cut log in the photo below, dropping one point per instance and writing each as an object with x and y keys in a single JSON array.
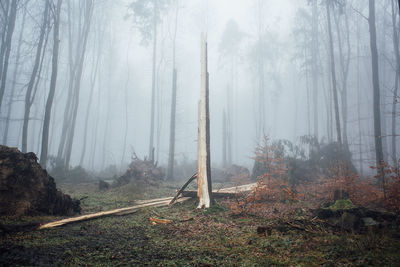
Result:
[{"x": 194, "y": 176}]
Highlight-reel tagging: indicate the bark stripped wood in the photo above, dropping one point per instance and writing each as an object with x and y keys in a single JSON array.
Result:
[
  {"x": 161, "y": 221},
  {"x": 121, "y": 211},
  {"x": 203, "y": 156},
  {"x": 224, "y": 192},
  {"x": 194, "y": 176}
]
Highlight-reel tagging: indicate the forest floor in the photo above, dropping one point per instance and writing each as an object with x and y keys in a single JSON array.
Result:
[{"x": 213, "y": 237}]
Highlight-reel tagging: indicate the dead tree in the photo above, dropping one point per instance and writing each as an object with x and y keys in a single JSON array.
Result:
[{"x": 203, "y": 142}]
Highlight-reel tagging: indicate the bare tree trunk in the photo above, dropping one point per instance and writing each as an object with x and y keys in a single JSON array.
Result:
[
  {"x": 359, "y": 103},
  {"x": 224, "y": 137},
  {"x": 396, "y": 84},
  {"x": 8, "y": 39},
  {"x": 153, "y": 82},
  {"x": 376, "y": 96},
  {"x": 53, "y": 82},
  {"x": 203, "y": 161},
  {"x": 88, "y": 14},
  {"x": 15, "y": 76},
  {"x": 333, "y": 73},
  {"x": 96, "y": 60},
  {"x": 34, "y": 77},
  {"x": 171, "y": 153},
  {"x": 344, "y": 65},
  {"x": 314, "y": 64},
  {"x": 172, "y": 129}
]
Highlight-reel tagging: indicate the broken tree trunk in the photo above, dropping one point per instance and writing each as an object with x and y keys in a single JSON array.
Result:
[{"x": 203, "y": 141}]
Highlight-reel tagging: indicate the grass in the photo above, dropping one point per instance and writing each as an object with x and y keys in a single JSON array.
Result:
[{"x": 213, "y": 237}]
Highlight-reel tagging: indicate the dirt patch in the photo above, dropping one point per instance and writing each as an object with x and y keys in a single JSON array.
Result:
[{"x": 27, "y": 189}]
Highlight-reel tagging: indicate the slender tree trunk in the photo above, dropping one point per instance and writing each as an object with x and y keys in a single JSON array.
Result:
[
  {"x": 34, "y": 76},
  {"x": 88, "y": 14},
  {"x": 8, "y": 40},
  {"x": 333, "y": 73},
  {"x": 396, "y": 84},
  {"x": 171, "y": 153},
  {"x": 53, "y": 82},
  {"x": 14, "y": 82},
  {"x": 359, "y": 103},
  {"x": 376, "y": 96},
  {"x": 344, "y": 65},
  {"x": 172, "y": 129},
  {"x": 89, "y": 105},
  {"x": 314, "y": 64},
  {"x": 224, "y": 139},
  {"x": 153, "y": 82}
]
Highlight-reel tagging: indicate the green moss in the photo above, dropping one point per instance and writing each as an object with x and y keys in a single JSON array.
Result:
[{"x": 342, "y": 204}]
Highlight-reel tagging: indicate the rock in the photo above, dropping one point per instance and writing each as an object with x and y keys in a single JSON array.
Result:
[{"x": 27, "y": 189}]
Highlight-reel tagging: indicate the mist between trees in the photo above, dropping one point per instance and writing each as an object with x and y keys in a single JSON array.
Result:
[{"x": 92, "y": 83}]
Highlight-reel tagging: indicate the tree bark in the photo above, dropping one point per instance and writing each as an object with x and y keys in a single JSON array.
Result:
[{"x": 376, "y": 96}]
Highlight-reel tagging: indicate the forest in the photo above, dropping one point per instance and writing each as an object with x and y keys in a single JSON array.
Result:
[{"x": 199, "y": 132}]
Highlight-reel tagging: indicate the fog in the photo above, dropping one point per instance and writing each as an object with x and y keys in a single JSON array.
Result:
[{"x": 263, "y": 58}]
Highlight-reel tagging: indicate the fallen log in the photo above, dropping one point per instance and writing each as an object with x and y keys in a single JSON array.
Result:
[
  {"x": 124, "y": 211},
  {"x": 192, "y": 193}
]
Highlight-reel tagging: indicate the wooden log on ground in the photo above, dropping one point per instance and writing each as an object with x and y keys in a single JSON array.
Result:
[
  {"x": 127, "y": 210},
  {"x": 192, "y": 193}
]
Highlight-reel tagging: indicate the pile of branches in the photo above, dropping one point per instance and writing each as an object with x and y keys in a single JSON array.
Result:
[{"x": 141, "y": 171}]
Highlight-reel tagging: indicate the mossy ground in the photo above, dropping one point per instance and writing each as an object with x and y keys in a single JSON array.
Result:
[{"x": 196, "y": 238}]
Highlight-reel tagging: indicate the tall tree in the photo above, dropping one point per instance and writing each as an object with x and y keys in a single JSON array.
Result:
[
  {"x": 329, "y": 5},
  {"x": 15, "y": 77},
  {"x": 56, "y": 11},
  {"x": 146, "y": 17},
  {"x": 10, "y": 15},
  {"x": 171, "y": 152},
  {"x": 397, "y": 77},
  {"x": 35, "y": 75},
  {"x": 376, "y": 96}
]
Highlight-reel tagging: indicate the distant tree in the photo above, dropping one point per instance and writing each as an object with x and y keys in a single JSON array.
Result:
[
  {"x": 35, "y": 74},
  {"x": 8, "y": 17},
  {"x": 397, "y": 77},
  {"x": 376, "y": 96},
  {"x": 229, "y": 47},
  {"x": 146, "y": 16},
  {"x": 329, "y": 5}
]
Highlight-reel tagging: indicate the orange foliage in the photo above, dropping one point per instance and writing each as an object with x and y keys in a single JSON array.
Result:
[{"x": 273, "y": 189}]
